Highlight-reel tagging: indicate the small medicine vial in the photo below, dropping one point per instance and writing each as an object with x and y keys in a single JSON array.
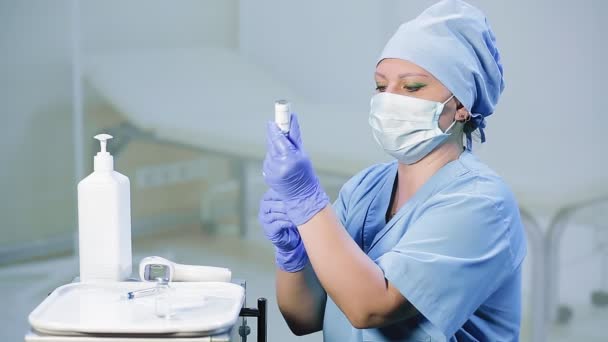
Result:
[
  {"x": 282, "y": 115},
  {"x": 163, "y": 305}
]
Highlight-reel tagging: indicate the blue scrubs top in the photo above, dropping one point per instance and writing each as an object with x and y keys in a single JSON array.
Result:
[{"x": 454, "y": 251}]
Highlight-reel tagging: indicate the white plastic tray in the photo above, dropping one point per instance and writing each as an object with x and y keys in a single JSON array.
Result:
[
  {"x": 33, "y": 336},
  {"x": 204, "y": 308}
]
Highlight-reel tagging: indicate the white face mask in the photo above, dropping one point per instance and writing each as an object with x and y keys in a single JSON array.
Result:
[{"x": 406, "y": 127}]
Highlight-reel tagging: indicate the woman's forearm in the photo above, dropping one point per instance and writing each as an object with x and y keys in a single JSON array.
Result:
[
  {"x": 301, "y": 300},
  {"x": 354, "y": 282}
]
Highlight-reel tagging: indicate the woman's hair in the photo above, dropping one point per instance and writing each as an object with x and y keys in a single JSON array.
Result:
[{"x": 469, "y": 127}]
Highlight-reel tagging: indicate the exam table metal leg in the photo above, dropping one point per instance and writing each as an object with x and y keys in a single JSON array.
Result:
[
  {"x": 260, "y": 314},
  {"x": 262, "y": 322}
]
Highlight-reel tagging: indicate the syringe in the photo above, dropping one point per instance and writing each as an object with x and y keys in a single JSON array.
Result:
[
  {"x": 160, "y": 284},
  {"x": 141, "y": 293}
]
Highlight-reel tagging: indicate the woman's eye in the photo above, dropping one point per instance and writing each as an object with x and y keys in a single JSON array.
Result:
[
  {"x": 413, "y": 87},
  {"x": 380, "y": 88}
]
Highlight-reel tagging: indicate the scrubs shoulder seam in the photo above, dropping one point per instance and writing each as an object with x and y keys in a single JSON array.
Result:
[
  {"x": 498, "y": 202},
  {"x": 498, "y": 205}
]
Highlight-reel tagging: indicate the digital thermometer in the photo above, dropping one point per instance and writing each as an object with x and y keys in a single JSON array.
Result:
[{"x": 155, "y": 267}]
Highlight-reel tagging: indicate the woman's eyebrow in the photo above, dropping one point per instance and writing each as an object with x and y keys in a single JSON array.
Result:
[
  {"x": 379, "y": 74},
  {"x": 404, "y": 75},
  {"x": 408, "y": 74}
]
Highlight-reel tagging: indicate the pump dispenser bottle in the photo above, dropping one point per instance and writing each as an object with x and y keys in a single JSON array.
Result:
[{"x": 104, "y": 221}]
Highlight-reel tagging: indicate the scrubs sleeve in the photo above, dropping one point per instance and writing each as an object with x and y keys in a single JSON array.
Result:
[
  {"x": 452, "y": 258},
  {"x": 340, "y": 205}
]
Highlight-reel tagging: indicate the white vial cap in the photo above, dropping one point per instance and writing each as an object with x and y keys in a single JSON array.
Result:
[{"x": 282, "y": 115}]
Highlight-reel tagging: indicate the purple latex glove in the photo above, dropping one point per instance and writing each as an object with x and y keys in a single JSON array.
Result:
[
  {"x": 289, "y": 172},
  {"x": 290, "y": 254}
]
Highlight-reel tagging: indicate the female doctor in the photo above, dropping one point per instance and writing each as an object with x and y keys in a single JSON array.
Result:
[{"x": 428, "y": 247}]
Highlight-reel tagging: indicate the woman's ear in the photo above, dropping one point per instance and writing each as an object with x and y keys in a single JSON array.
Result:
[{"x": 462, "y": 114}]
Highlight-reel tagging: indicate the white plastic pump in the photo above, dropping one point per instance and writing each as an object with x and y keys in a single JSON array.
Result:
[
  {"x": 104, "y": 220},
  {"x": 103, "y": 161}
]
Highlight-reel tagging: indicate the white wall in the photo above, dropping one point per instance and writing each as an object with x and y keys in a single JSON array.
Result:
[
  {"x": 34, "y": 97},
  {"x": 324, "y": 49},
  {"x": 117, "y": 24},
  {"x": 37, "y": 178}
]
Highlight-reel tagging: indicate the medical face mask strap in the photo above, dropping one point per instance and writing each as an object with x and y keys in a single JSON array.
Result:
[
  {"x": 453, "y": 122},
  {"x": 450, "y": 127},
  {"x": 448, "y": 100},
  {"x": 439, "y": 109}
]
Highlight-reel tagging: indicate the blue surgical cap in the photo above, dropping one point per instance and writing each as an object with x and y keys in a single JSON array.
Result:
[{"x": 454, "y": 42}]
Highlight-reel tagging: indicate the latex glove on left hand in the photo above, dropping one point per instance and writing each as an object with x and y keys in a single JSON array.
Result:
[
  {"x": 290, "y": 255},
  {"x": 289, "y": 172}
]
